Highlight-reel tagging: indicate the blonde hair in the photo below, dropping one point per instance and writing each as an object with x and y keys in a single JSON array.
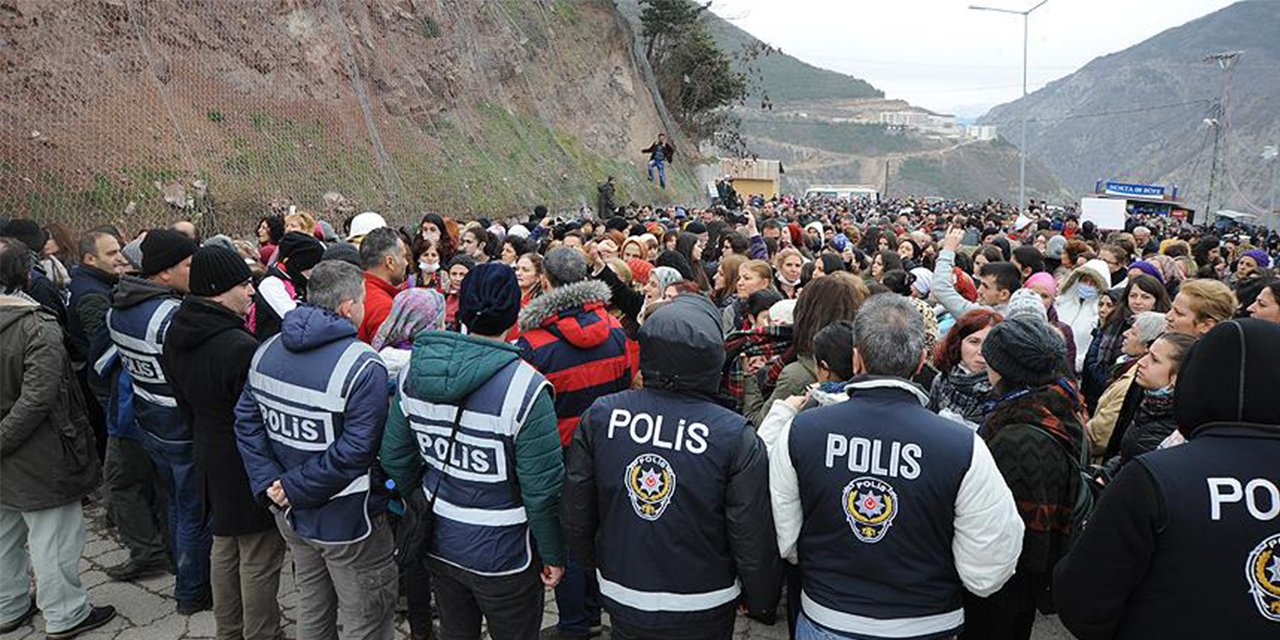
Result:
[
  {"x": 1210, "y": 299},
  {"x": 302, "y": 219},
  {"x": 760, "y": 267},
  {"x": 786, "y": 253}
]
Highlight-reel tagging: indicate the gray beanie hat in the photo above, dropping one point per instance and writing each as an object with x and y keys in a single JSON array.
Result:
[
  {"x": 1054, "y": 246},
  {"x": 1025, "y": 303},
  {"x": 1025, "y": 352}
]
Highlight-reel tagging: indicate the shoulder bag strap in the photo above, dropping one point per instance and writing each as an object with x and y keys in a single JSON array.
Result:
[{"x": 448, "y": 455}]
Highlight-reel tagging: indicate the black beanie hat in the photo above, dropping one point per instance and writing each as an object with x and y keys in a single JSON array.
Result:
[
  {"x": 1025, "y": 351},
  {"x": 489, "y": 299},
  {"x": 28, "y": 232},
  {"x": 696, "y": 227},
  {"x": 163, "y": 248},
  {"x": 216, "y": 270},
  {"x": 300, "y": 251},
  {"x": 1230, "y": 375}
]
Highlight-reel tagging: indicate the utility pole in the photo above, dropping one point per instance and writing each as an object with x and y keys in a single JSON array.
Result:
[
  {"x": 1270, "y": 153},
  {"x": 1225, "y": 61},
  {"x": 1022, "y": 112}
]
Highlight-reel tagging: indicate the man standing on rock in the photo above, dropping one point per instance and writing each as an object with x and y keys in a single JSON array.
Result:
[{"x": 661, "y": 153}]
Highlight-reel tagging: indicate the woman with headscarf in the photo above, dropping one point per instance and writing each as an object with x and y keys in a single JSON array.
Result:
[
  {"x": 412, "y": 311},
  {"x": 285, "y": 284}
]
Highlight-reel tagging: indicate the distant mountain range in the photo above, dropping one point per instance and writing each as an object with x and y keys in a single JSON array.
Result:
[
  {"x": 824, "y": 127},
  {"x": 1139, "y": 115},
  {"x": 789, "y": 80}
]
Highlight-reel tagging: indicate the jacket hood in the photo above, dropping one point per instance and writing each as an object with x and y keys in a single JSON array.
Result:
[
  {"x": 681, "y": 347},
  {"x": 1230, "y": 375},
  {"x": 577, "y": 310},
  {"x": 446, "y": 366},
  {"x": 198, "y": 320},
  {"x": 16, "y": 307},
  {"x": 309, "y": 326},
  {"x": 133, "y": 291},
  {"x": 1095, "y": 267}
]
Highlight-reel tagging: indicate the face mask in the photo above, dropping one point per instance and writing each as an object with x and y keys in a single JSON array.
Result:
[
  {"x": 431, "y": 236},
  {"x": 1087, "y": 291},
  {"x": 428, "y": 267}
]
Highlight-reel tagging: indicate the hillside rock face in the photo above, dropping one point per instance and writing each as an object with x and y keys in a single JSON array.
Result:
[
  {"x": 404, "y": 106},
  {"x": 1138, "y": 115}
]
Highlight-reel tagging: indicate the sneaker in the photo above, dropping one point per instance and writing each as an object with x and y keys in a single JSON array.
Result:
[
  {"x": 12, "y": 625},
  {"x": 130, "y": 570},
  {"x": 98, "y": 616},
  {"x": 190, "y": 608}
]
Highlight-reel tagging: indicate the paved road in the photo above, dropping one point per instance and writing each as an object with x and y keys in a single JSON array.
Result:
[{"x": 147, "y": 607}]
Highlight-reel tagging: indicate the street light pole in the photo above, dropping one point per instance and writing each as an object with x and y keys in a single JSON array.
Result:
[
  {"x": 1271, "y": 154},
  {"x": 1022, "y": 146}
]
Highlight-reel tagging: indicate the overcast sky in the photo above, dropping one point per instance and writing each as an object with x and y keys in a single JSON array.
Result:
[{"x": 940, "y": 55}]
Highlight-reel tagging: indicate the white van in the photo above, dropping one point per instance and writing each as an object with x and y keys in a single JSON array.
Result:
[{"x": 848, "y": 193}]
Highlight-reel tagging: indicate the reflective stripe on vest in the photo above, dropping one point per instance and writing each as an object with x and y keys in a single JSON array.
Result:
[
  {"x": 877, "y": 627},
  {"x": 666, "y": 601}
]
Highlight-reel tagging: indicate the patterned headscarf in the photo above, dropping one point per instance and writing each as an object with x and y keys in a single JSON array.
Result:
[{"x": 413, "y": 311}]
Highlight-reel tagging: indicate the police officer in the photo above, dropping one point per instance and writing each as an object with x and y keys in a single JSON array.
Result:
[
  {"x": 1185, "y": 542},
  {"x": 141, "y": 308},
  {"x": 308, "y": 426},
  {"x": 667, "y": 491},
  {"x": 891, "y": 510}
]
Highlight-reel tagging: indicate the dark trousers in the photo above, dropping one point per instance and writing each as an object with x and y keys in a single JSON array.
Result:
[
  {"x": 721, "y": 629},
  {"x": 578, "y": 600},
  {"x": 417, "y": 594},
  {"x": 1007, "y": 614},
  {"x": 135, "y": 502},
  {"x": 512, "y": 605}
]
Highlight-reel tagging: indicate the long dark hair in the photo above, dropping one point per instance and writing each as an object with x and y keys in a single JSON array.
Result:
[
  {"x": 684, "y": 246},
  {"x": 445, "y": 246},
  {"x": 823, "y": 301},
  {"x": 1122, "y": 314}
]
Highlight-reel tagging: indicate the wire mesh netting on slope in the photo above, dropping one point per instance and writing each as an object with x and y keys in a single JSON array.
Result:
[{"x": 137, "y": 111}]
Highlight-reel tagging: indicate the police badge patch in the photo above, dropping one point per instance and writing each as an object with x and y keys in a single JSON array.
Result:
[
  {"x": 870, "y": 505},
  {"x": 650, "y": 482},
  {"x": 1262, "y": 571}
]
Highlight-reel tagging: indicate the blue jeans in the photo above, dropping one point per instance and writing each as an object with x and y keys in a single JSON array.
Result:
[
  {"x": 807, "y": 630},
  {"x": 662, "y": 172},
  {"x": 190, "y": 537},
  {"x": 578, "y": 600}
]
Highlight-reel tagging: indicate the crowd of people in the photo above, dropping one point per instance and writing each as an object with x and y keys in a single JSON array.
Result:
[{"x": 911, "y": 418}]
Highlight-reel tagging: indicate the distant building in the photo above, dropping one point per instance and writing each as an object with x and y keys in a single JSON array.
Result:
[
  {"x": 924, "y": 122},
  {"x": 754, "y": 176},
  {"x": 980, "y": 131}
]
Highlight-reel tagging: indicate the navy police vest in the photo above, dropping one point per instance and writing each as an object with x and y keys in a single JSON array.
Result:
[
  {"x": 303, "y": 397},
  {"x": 662, "y": 464},
  {"x": 878, "y": 477},
  {"x": 138, "y": 334},
  {"x": 481, "y": 524},
  {"x": 1221, "y": 494}
]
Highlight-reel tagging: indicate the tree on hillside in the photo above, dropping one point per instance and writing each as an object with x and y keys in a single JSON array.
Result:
[{"x": 696, "y": 79}]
